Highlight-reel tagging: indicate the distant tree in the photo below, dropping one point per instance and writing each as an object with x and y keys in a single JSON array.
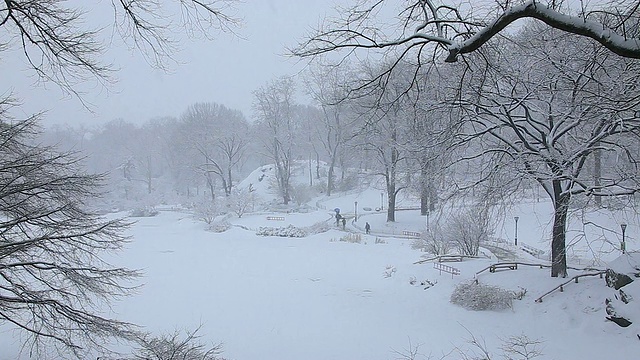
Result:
[
  {"x": 112, "y": 152},
  {"x": 53, "y": 279},
  {"x": 327, "y": 86},
  {"x": 274, "y": 107},
  {"x": 150, "y": 151},
  {"x": 216, "y": 136},
  {"x": 385, "y": 130}
]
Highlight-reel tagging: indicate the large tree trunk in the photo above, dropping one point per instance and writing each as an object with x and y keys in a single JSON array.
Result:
[
  {"x": 391, "y": 204},
  {"x": 558, "y": 240}
]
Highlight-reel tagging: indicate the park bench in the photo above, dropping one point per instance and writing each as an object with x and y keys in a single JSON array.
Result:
[
  {"x": 411, "y": 233},
  {"x": 278, "y": 218},
  {"x": 508, "y": 266},
  {"x": 450, "y": 258}
]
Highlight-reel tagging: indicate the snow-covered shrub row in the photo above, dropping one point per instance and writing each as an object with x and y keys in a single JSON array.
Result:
[
  {"x": 474, "y": 296},
  {"x": 289, "y": 231}
]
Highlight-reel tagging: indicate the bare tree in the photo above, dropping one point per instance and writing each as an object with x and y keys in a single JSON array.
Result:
[
  {"x": 52, "y": 277},
  {"x": 55, "y": 41},
  {"x": 274, "y": 108},
  {"x": 548, "y": 121},
  {"x": 537, "y": 132},
  {"x": 53, "y": 281},
  {"x": 327, "y": 86},
  {"x": 216, "y": 135}
]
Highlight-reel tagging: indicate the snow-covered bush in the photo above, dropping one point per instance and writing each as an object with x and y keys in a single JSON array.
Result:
[
  {"x": 468, "y": 228},
  {"x": 207, "y": 210},
  {"x": 473, "y": 296},
  {"x": 242, "y": 200},
  {"x": 289, "y": 231}
]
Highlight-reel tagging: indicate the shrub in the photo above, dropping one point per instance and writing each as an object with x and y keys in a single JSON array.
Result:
[
  {"x": 468, "y": 229},
  {"x": 241, "y": 200},
  {"x": 207, "y": 210},
  {"x": 474, "y": 296},
  {"x": 433, "y": 242}
]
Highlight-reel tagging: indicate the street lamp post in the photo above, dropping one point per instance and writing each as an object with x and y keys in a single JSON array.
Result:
[
  {"x": 356, "y": 211},
  {"x": 623, "y": 245},
  {"x": 516, "y": 219},
  {"x": 427, "y": 222}
]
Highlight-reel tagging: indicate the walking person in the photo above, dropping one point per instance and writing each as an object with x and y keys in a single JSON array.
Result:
[
  {"x": 344, "y": 223},
  {"x": 367, "y": 227}
]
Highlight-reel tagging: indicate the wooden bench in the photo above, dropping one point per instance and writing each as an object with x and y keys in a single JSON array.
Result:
[
  {"x": 411, "y": 233},
  {"x": 278, "y": 218},
  {"x": 450, "y": 258},
  {"x": 507, "y": 266}
]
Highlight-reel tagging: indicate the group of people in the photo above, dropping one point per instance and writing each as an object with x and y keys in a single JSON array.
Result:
[{"x": 340, "y": 218}]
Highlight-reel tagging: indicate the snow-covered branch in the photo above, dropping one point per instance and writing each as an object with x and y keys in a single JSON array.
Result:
[{"x": 619, "y": 44}]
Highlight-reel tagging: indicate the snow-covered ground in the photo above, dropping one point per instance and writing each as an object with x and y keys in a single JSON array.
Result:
[{"x": 322, "y": 298}]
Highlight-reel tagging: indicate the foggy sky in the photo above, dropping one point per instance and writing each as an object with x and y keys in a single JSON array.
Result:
[{"x": 225, "y": 70}]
